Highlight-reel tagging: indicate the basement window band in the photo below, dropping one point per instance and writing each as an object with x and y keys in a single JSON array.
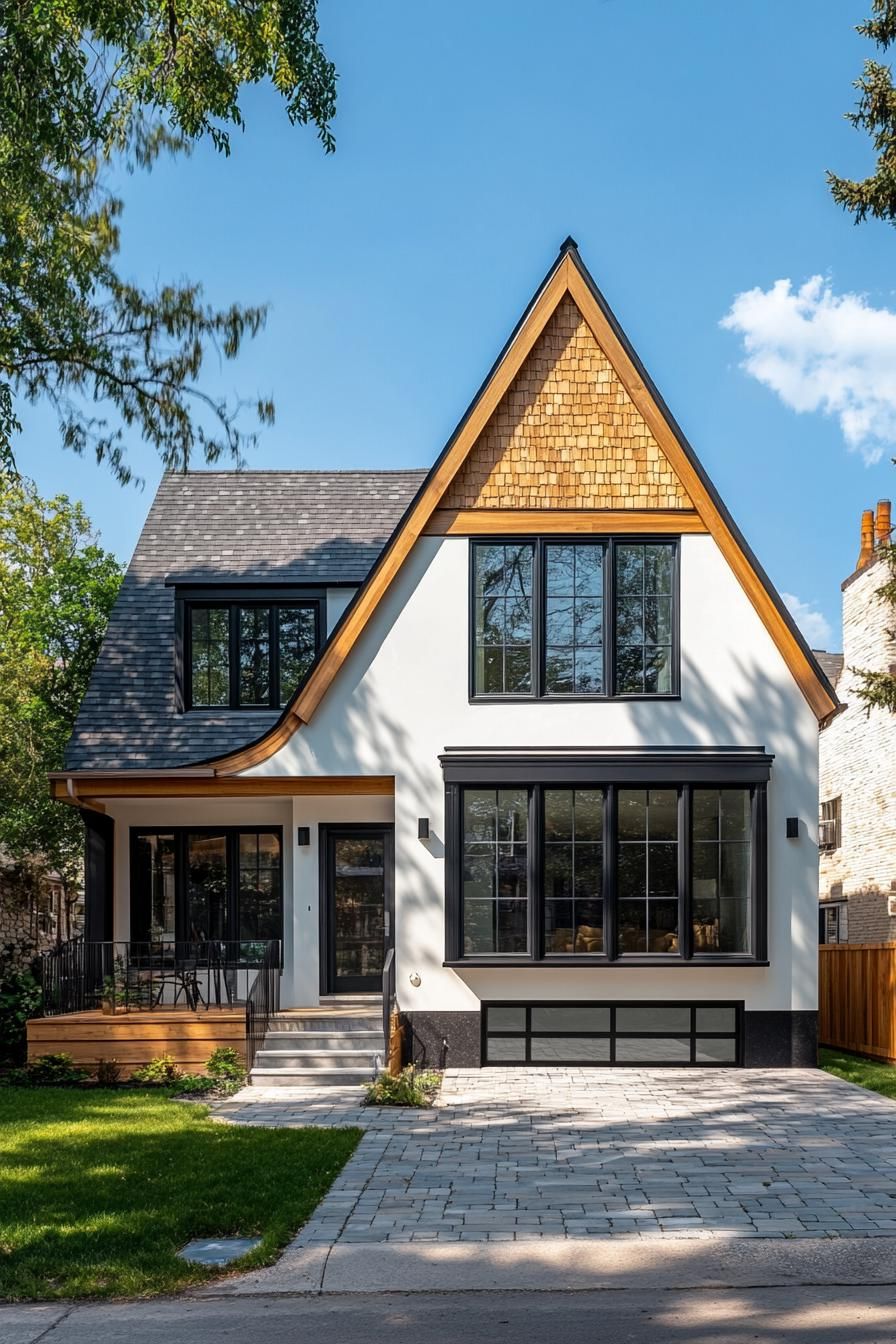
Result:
[
  {"x": 705, "y": 1034},
  {"x": 627, "y": 872}
]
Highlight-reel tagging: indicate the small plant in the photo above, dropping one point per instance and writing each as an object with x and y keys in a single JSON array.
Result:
[
  {"x": 115, "y": 990},
  {"x": 108, "y": 1072},
  {"x": 193, "y": 1084},
  {"x": 412, "y": 1087},
  {"x": 225, "y": 1064},
  {"x": 47, "y": 1071},
  {"x": 159, "y": 1072}
]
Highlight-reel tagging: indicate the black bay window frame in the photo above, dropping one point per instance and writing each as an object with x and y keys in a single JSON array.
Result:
[
  {"x": 187, "y": 600},
  {"x": 539, "y": 618},
  {"x": 232, "y": 836},
  {"x": 684, "y": 771}
]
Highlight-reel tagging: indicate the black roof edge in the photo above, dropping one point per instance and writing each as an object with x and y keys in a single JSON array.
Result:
[{"x": 568, "y": 248}]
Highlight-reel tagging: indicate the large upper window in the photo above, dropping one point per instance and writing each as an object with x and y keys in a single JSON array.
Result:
[
  {"x": 595, "y": 869},
  {"x": 247, "y": 654},
  {"x": 573, "y": 618},
  {"x": 203, "y": 885}
]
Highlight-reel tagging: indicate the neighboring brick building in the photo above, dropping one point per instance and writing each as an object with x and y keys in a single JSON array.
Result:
[{"x": 857, "y": 826}]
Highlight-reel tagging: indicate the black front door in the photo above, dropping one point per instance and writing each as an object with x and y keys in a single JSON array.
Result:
[{"x": 357, "y": 906}]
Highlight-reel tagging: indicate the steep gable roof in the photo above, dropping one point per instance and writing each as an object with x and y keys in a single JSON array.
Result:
[{"x": 567, "y": 297}]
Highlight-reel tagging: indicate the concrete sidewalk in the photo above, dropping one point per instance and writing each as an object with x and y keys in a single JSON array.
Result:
[
  {"x": 564, "y": 1265},
  {"x": 760, "y": 1314}
]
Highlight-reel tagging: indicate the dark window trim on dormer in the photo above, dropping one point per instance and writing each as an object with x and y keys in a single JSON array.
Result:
[
  {"x": 539, "y": 691},
  {"x": 196, "y": 595}
]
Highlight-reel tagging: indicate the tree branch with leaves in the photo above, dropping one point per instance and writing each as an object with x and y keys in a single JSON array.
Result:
[{"x": 86, "y": 85}]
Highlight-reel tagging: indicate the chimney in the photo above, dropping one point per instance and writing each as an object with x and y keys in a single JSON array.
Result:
[
  {"x": 882, "y": 524},
  {"x": 867, "y": 551}
]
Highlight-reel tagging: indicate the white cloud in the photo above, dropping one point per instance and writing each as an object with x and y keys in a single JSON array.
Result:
[
  {"x": 810, "y": 620},
  {"x": 823, "y": 352}
]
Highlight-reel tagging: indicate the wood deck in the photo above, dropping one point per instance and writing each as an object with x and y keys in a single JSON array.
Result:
[{"x": 136, "y": 1037}]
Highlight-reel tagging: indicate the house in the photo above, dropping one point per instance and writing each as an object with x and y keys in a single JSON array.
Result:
[
  {"x": 857, "y": 762},
  {"x": 525, "y": 741}
]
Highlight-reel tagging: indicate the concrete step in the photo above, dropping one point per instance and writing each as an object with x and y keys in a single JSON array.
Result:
[
  {"x": 316, "y": 1059},
  {"x": 315, "y": 1020},
  {"x": 310, "y": 1077},
  {"x": 324, "y": 1040},
  {"x": 351, "y": 1000}
]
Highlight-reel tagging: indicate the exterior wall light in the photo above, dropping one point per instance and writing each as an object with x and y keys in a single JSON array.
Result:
[
  {"x": 303, "y": 835},
  {"x": 414, "y": 978},
  {"x": 423, "y": 828},
  {"x": 793, "y": 828}
]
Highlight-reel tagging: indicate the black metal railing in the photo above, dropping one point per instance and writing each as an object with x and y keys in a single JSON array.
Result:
[
  {"x": 127, "y": 976},
  {"x": 262, "y": 1001}
]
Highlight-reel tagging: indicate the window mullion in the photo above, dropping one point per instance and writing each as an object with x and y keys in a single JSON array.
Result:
[
  {"x": 609, "y": 872},
  {"x": 539, "y": 589},
  {"x": 685, "y": 884},
  {"x": 610, "y": 617},
  {"x": 233, "y": 614},
  {"x": 274, "y": 656},
  {"x": 535, "y": 877}
]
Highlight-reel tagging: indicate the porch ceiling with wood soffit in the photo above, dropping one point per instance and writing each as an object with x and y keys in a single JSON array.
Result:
[{"x": 567, "y": 434}]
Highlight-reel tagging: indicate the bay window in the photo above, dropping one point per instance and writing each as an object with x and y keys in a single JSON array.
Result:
[{"x": 602, "y": 861}]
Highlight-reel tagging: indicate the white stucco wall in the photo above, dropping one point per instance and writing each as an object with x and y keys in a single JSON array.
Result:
[
  {"x": 401, "y": 698},
  {"x": 337, "y": 601}
]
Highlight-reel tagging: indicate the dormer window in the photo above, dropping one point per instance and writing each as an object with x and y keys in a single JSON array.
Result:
[{"x": 247, "y": 652}]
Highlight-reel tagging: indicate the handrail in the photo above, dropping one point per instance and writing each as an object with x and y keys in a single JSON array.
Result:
[
  {"x": 262, "y": 1001},
  {"x": 388, "y": 996}
]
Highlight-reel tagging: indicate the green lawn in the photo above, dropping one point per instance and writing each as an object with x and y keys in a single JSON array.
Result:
[
  {"x": 866, "y": 1072},
  {"x": 99, "y": 1189}
]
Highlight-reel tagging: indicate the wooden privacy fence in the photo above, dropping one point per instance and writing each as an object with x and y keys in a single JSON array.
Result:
[{"x": 857, "y": 998}]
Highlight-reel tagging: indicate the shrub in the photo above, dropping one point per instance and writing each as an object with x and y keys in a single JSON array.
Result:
[
  {"x": 20, "y": 998},
  {"x": 47, "y": 1071},
  {"x": 224, "y": 1063},
  {"x": 108, "y": 1072},
  {"x": 410, "y": 1088},
  {"x": 159, "y": 1072}
]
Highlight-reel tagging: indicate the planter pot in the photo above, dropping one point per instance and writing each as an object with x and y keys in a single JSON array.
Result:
[{"x": 113, "y": 1009}]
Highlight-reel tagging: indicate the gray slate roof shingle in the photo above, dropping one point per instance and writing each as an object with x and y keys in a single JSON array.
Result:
[
  {"x": 295, "y": 527},
  {"x": 831, "y": 665}
]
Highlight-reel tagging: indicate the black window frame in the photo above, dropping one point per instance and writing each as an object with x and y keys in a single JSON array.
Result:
[
  {"x": 188, "y": 600},
  {"x": 830, "y": 824},
  {"x": 647, "y": 770},
  {"x": 232, "y": 841},
  {"x": 539, "y": 546}
]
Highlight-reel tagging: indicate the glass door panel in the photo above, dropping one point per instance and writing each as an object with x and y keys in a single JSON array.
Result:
[{"x": 357, "y": 898}]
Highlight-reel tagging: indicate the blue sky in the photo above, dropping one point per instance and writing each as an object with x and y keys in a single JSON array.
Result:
[{"x": 683, "y": 143}]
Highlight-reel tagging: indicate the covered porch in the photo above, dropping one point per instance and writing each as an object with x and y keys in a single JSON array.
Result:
[{"x": 213, "y": 903}]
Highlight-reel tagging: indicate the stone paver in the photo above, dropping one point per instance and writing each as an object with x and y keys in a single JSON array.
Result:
[{"x": 522, "y": 1155}]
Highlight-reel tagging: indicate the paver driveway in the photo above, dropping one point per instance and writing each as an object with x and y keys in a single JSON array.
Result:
[{"x": 516, "y": 1154}]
